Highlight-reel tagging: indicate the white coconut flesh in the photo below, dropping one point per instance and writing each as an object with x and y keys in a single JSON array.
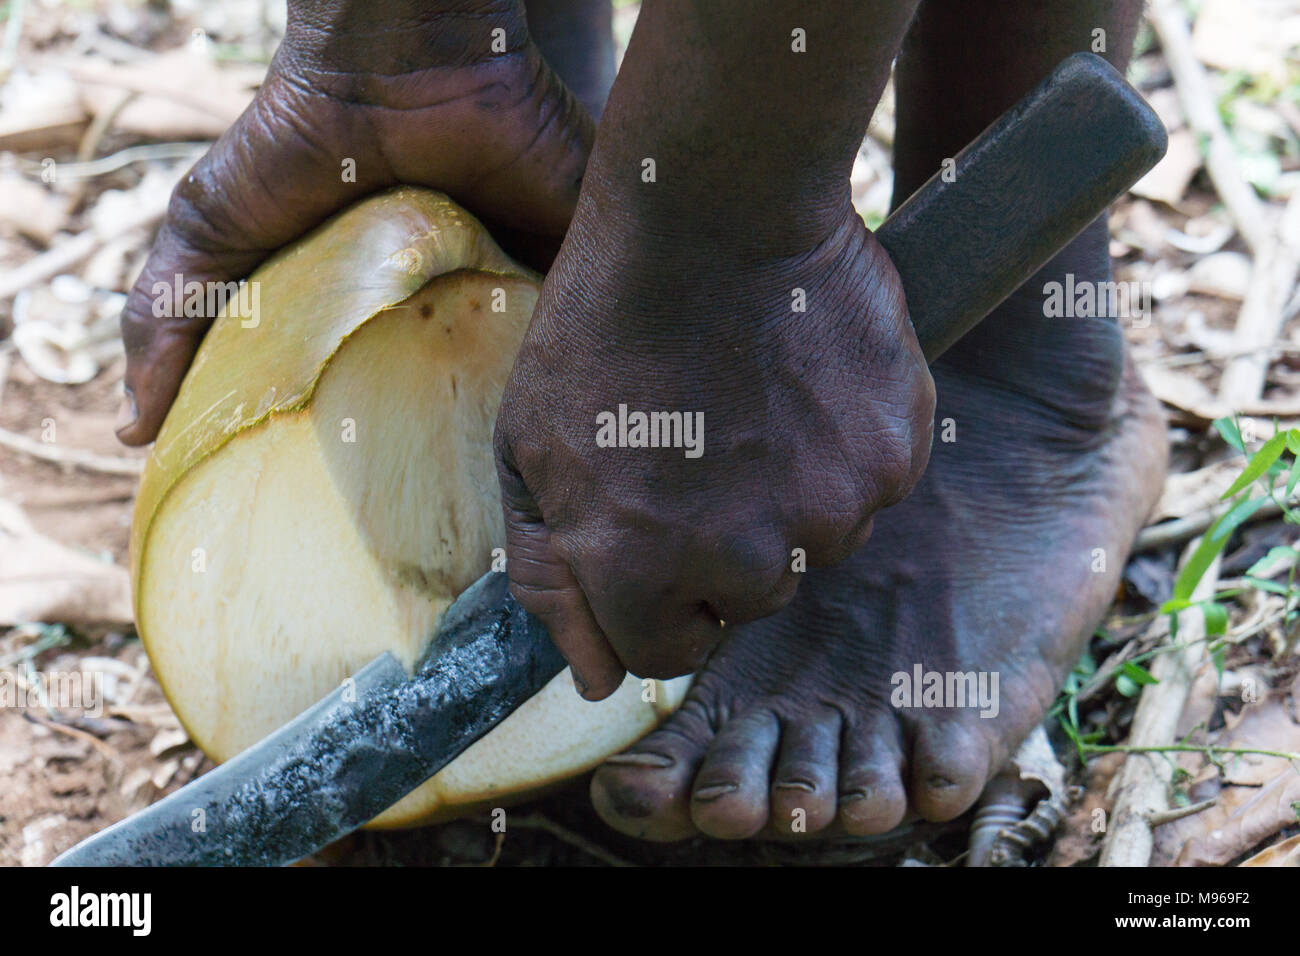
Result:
[{"x": 298, "y": 544}]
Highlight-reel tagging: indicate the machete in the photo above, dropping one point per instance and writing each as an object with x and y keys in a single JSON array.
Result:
[{"x": 962, "y": 243}]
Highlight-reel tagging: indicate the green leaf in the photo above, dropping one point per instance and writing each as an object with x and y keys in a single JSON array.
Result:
[
  {"x": 1278, "y": 559},
  {"x": 1293, "y": 479},
  {"x": 1216, "y": 618},
  {"x": 1212, "y": 542},
  {"x": 1216, "y": 656},
  {"x": 1227, "y": 428},
  {"x": 1126, "y": 685},
  {"x": 1138, "y": 674},
  {"x": 1272, "y": 587},
  {"x": 1260, "y": 462},
  {"x": 1293, "y": 441}
]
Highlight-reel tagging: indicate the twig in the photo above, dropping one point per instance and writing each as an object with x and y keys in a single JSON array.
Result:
[
  {"x": 123, "y": 157},
  {"x": 1177, "y": 813},
  {"x": 74, "y": 457},
  {"x": 1206, "y": 750},
  {"x": 1144, "y": 783},
  {"x": 1182, "y": 529},
  {"x": 1198, "y": 102},
  {"x": 53, "y": 261},
  {"x": 105, "y": 751},
  {"x": 1259, "y": 323}
]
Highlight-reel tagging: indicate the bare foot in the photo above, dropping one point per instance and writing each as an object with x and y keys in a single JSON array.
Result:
[{"x": 991, "y": 566}]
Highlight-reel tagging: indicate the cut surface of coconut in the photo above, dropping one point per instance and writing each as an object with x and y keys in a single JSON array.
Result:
[{"x": 324, "y": 488}]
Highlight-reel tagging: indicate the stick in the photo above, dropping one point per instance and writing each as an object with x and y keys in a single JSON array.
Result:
[
  {"x": 62, "y": 257},
  {"x": 88, "y": 461},
  {"x": 1262, "y": 313},
  {"x": 1179, "y": 530},
  {"x": 1198, "y": 103},
  {"x": 1177, "y": 813},
  {"x": 1145, "y": 778}
]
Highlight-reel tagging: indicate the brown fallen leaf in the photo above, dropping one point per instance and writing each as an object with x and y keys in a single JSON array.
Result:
[
  {"x": 1286, "y": 853},
  {"x": 197, "y": 99},
  {"x": 1168, "y": 180},
  {"x": 1243, "y": 817},
  {"x": 31, "y": 209},
  {"x": 1079, "y": 837},
  {"x": 43, "y": 580},
  {"x": 1255, "y": 793},
  {"x": 1194, "y": 491},
  {"x": 1188, "y": 394}
]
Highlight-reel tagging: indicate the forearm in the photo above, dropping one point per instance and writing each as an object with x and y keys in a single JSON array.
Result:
[{"x": 741, "y": 126}]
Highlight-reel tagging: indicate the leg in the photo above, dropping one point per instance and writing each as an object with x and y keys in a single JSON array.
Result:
[{"x": 1048, "y": 449}]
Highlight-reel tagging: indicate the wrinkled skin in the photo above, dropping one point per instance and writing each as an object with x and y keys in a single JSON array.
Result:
[
  {"x": 812, "y": 422},
  {"x": 733, "y": 282},
  {"x": 425, "y": 104},
  {"x": 1054, "y": 450}
]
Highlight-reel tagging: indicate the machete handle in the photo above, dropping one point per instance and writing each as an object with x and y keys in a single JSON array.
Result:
[{"x": 1022, "y": 190}]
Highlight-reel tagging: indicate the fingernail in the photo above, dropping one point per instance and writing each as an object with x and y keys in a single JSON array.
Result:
[
  {"x": 579, "y": 684},
  {"x": 705, "y": 794},
  {"x": 128, "y": 413},
  {"x": 656, "y": 761}
]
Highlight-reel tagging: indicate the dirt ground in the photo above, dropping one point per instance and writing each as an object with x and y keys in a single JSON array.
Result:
[{"x": 66, "y": 486}]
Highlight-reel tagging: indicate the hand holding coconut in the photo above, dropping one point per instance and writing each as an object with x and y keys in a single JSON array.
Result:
[{"x": 450, "y": 94}]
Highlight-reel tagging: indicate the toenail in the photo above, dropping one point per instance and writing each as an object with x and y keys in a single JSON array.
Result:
[
  {"x": 657, "y": 761},
  {"x": 852, "y": 796},
  {"x": 803, "y": 785},
  {"x": 714, "y": 792}
]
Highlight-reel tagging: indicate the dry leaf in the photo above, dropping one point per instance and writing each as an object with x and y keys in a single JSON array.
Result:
[
  {"x": 1286, "y": 853},
  {"x": 31, "y": 209},
  {"x": 1169, "y": 178},
  {"x": 168, "y": 740},
  {"x": 1250, "y": 35},
  {"x": 42, "y": 580},
  {"x": 1224, "y": 274},
  {"x": 196, "y": 100},
  {"x": 1183, "y": 391},
  {"x": 1245, "y": 815},
  {"x": 1194, "y": 491}
]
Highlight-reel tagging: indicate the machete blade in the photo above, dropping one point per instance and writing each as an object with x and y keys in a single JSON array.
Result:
[{"x": 351, "y": 756}]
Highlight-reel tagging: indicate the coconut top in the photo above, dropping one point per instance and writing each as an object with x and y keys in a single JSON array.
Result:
[{"x": 310, "y": 297}]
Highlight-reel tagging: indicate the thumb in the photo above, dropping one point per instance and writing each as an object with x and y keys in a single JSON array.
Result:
[{"x": 545, "y": 586}]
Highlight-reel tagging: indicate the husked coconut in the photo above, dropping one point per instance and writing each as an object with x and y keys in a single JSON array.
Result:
[{"x": 323, "y": 489}]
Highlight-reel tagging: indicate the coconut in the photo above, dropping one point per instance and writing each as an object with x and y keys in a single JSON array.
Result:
[{"x": 323, "y": 488}]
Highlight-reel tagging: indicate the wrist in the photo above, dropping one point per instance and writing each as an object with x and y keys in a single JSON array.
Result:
[{"x": 761, "y": 209}]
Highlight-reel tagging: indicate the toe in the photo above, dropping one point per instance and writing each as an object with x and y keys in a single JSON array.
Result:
[
  {"x": 950, "y": 765},
  {"x": 803, "y": 794},
  {"x": 645, "y": 791},
  {"x": 729, "y": 800},
  {"x": 872, "y": 798}
]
